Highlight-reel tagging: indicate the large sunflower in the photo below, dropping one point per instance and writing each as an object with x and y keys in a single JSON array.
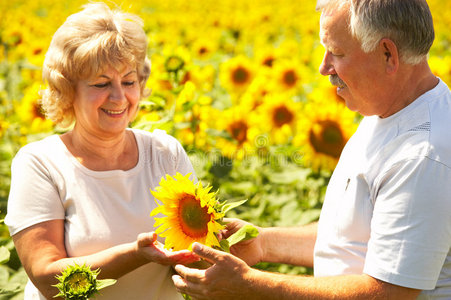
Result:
[
  {"x": 190, "y": 213},
  {"x": 324, "y": 128}
]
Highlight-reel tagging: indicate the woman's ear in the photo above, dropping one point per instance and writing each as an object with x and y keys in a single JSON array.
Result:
[{"x": 390, "y": 55}]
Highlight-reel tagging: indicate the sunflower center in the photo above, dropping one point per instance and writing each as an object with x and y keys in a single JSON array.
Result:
[
  {"x": 290, "y": 78},
  {"x": 268, "y": 61},
  {"x": 193, "y": 218},
  {"x": 38, "y": 112},
  {"x": 282, "y": 115},
  {"x": 328, "y": 139},
  {"x": 78, "y": 282},
  {"x": 37, "y": 51},
  {"x": 174, "y": 63},
  {"x": 238, "y": 130},
  {"x": 240, "y": 75}
]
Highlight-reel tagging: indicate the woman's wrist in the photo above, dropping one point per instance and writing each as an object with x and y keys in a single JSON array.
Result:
[{"x": 138, "y": 254}]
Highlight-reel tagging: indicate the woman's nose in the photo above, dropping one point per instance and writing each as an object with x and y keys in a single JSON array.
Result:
[{"x": 117, "y": 92}]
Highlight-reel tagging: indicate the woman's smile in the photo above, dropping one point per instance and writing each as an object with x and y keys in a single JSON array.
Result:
[{"x": 114, "y": 113}]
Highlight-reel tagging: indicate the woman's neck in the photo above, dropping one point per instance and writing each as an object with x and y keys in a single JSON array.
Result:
[{"x": 102, "y": 153}]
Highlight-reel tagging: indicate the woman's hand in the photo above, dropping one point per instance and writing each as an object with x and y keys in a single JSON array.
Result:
[
  {"x": 251, "y": 251},
  {"x": 152, "y": 250}
]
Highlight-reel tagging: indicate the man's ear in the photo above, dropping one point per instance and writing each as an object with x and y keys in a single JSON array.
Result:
[{"x": 390, "y": 54}]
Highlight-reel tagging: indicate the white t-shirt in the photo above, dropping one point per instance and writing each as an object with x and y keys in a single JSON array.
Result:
[
  {"x": 387, "y": 210},
  {"x": 100, "y": 209}
]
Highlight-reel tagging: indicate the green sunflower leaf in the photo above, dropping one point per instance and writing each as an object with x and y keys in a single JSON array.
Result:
[
  {"x": 226, "y": 206},
  {"x": 245, "y": 233},
  {"x": 224, "y": 245},
  {"x": 103, "y": 283},
  {"x": 4, "y": 255}
]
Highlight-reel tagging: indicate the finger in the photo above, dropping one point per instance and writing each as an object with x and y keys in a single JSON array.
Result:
[
  {"x": 208, "y": 253},
  {"x": 184, "y": 287},
  {"x": 146, "y": 238},
  {"x": 228, "y": 220},
  {"x": 183, "y": 257},
  {"x": 180, "y": 283},
  {"x": 189, "y": 274}
]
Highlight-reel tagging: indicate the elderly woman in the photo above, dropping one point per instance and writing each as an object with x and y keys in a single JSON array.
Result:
[{"x": 83, "y": 196}]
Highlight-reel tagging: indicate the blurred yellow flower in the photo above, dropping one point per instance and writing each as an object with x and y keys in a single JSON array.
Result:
[
  {"x": 239, "y": 125},
  {"x": 204, "y": 47},
  {"x": 288, "y": 75},
  {"x": 31, "y": 113},
  {"x": 236, "y": 74},
  {"x": 3, "y": 126},
  {"x": 202, "y": 76},
  {"x": 193, "y": 125},
  {"x": 279, "y": 116},
  {"x": 325, "y": 126}
]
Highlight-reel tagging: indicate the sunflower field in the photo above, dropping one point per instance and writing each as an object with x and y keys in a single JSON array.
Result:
[{"x": 236, "y": 82}]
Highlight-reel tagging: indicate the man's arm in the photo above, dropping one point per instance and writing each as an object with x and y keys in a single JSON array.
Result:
[
  {"x": 279, "y": 245},
  {"x": 290, "y": 245},
  {"x": 230, "y": 278}
]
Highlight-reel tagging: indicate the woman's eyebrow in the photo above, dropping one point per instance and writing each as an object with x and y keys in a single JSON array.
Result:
[{"x": 107, "y": 77}]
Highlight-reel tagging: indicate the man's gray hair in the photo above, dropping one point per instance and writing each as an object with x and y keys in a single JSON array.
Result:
[{"x": 408, "y": 23}]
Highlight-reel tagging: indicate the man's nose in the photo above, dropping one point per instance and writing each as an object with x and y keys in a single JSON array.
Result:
[{"x": 326, "y": 67}]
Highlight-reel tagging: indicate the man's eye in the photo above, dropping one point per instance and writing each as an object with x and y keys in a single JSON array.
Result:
[{"x": 335, "y": 54}]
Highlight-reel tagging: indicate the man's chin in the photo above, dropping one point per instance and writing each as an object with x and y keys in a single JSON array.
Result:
[{"x": 341, "y": 92}]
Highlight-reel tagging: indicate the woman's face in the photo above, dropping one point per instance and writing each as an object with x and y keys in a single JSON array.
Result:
[{"x": 105, "y": 104}]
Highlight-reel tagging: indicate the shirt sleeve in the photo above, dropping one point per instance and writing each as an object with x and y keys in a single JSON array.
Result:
[
  {"x": 33, "y": 197},
  {"x": 171, "y": 153},
  {"x": 411, "y": 224},
  {"x": 183, "y": 164}
]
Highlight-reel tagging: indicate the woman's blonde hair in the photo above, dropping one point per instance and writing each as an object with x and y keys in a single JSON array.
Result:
[{"x": 87, "y": 43}]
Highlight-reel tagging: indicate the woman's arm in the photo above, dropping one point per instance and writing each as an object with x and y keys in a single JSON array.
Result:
[{"x": 42, "y": 253}]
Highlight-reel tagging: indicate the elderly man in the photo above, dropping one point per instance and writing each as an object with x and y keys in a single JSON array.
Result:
[{"x": 385, "y": 228}]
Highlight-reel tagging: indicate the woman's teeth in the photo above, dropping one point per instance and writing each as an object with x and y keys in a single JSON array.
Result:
[{"x": 113, "y": 112}]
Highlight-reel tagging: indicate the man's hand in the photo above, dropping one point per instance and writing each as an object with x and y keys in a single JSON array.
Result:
[
  {"x": 225, "y": 279},
  {"x": 251, "y": 251}
]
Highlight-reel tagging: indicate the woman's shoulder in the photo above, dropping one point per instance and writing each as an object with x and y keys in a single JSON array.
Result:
[
  {"x": 40, "y": 154},
  {"x": 45, "y": 146}
]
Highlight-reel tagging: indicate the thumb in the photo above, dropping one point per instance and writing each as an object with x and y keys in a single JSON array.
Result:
[
  {"x": 207, "y": 253},
  {"x": 147, "y": 238}
]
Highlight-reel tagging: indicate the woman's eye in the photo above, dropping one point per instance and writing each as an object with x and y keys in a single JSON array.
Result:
[
  {"x": 100, "y": 85},
  {"x": 128, "y": 83}
]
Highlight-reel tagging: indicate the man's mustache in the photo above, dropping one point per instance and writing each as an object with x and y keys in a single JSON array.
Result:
[{"x": 337, "y": 81}]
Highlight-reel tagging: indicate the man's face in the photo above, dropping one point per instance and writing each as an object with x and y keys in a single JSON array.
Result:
[{"x": 357, "y": 75}]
